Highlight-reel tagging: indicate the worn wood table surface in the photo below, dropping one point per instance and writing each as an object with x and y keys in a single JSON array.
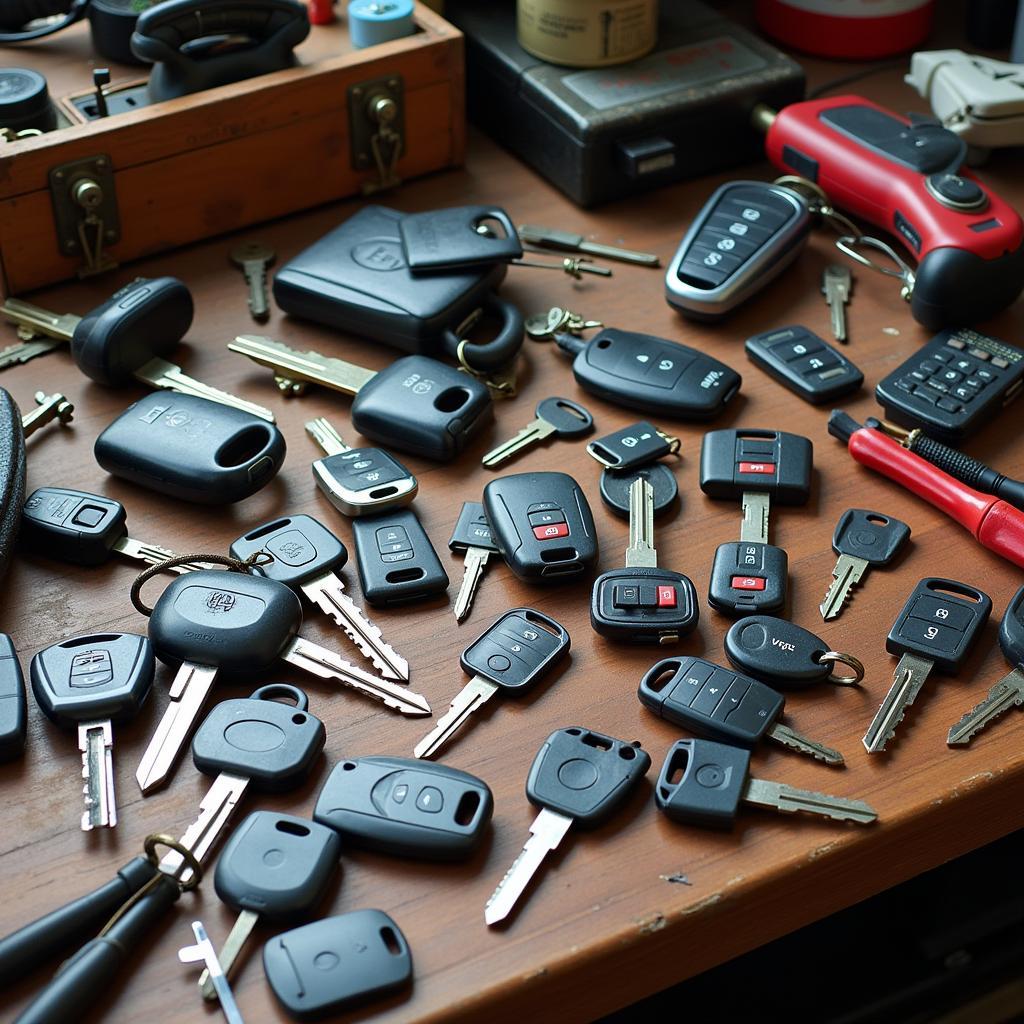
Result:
[{"x": 641, "y": 902}]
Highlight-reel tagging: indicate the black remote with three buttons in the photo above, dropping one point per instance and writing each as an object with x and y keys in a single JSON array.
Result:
[
  {"x": 396, "y": 561},
  {"x": 806, "y": 364},
  {"x": 954, "y": 385}
]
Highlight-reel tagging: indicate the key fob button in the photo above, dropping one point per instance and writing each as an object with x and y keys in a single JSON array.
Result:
[
  {"x": 934, "y": 636},
  {"x": 430, "y": 800},
  {"x": 498, "y": 663},
  {"x": 545, "y": 518},
  {"x": 753, "y": 715},
  {"x": 943, "y": 613}
]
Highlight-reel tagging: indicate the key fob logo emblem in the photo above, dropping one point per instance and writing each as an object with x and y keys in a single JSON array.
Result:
[
  {"x": 218, "y": 601},
  {"x": 381, "y": 254}
]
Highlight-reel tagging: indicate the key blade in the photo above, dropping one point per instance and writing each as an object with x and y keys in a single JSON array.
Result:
[
  {"x": 845, "y": 576},
  {"x": 1007, "y": 693},
  {"x": 756, "y": 509},
  {"x": 529, "y": 435},
  {"x": 907, "y": 680},
  {"x": 472, "y": 696},
  {"x": 797, "y": 741},
  {"x": 319, "y": 661},
  {"x": 153, "y": 554},
  {"x": 228, "y": 955},
  {"x": 789, "y": 800},
  {"x": 546, "y": 832},
  {"x": 329, "y": 595},
  {"x": 475, "y": 562},
  {"x": 23, "y": 351},
  {"x": 215, "y": 811},
  {"x": 302, "y": 366},
  {"x": 189, "y": 690},
  {"x": 159, "y": 373},
  {"x": 326, "y": 436},
  {"x": 203, "y": 950},
  {"x": 566, "y": 241},
  {"x": 96, "y": 742},
  {"x": 641, "y": 550},
  {"x": 61, "y": 327}
]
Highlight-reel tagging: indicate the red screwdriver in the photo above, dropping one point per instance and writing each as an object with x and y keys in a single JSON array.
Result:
[{"x": 990, "y": 520}]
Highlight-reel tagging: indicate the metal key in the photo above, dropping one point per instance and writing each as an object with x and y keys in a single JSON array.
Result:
[
  {"x": 472, "y": 535},
  {"x": 306, "y": 558},
  {"x": 254, "y": 259},
  {"x": 90, "y": 683},
  {"x": 511, "y": 655},
  {"x": 555, "y": 416},
  {"x": 275, "y": 867},
  {"x": 835, "y": 286},
  {"x": 552, "y": 238},
  {"x": 203, "y": 952},
  {"x": 861, "y": 539},
  {"x": 542, "y": 326},
  {"x": 936, "y": 629},
  {"x": 239, "y": 624},
  {"x": 22, "y": 351},
  {"x": 1009, "y": 691},
  {"x": 578, "y": 777},
  {"x": 48, "y": 408},
  {"x": 704, "y": 783}
]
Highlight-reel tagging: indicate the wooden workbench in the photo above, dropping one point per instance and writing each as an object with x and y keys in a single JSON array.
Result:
[{"x": 641, "y": 903}]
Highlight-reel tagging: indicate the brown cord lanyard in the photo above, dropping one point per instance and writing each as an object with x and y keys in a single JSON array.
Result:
[{"x": 257, "y": 558}]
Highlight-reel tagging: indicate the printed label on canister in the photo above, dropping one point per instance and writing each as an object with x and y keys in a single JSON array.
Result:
[{"x": 585, "y": 34}]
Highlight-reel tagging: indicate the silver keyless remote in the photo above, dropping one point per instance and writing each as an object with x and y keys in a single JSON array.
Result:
[{"x": 745, "y": 235}]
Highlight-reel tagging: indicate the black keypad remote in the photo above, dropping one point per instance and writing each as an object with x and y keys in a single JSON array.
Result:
[
  {"x": 954, "y": 385},
  {"x": 806, "y": 364},
  {"x": 396, "y": 561}
]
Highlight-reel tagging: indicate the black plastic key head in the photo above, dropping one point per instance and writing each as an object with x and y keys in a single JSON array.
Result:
[
  {"x": 272, "y": 744},
  {"x": 766, "y": 461},
  {"x": 781, "y": 653},
  {"x": 326, "y": 966},
  {"x": 872, "y": 536},
  {"x": 710, "y": 700},
  {"x": 702, "y": 782},
  {"x": 300, "y": 548},
  {"x": 644, "y": 605},
  {"x": 277, "y": 865},
  {"x": 234, "y": 622},
  {"x": 405, "y": 806},
  {"x": 72, "y": 526},
  {"x": 585, "y": 775},
  {"x": 96, "y": 677},
  {"x": 472, "y": 529},
  {"x": 748, "y": 578},
  {"x": 517, "y": 650},
  {"x": 1011, "y": 630},
  {"x": 940, "y": 622}
]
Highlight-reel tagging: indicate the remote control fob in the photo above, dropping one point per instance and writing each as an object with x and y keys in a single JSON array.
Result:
[
  {"x": 396, "y": 561},
  {"x": 542, "y": 525},
  {"x": 806, "y": 364},
  {"x": 747, "y": 233}
]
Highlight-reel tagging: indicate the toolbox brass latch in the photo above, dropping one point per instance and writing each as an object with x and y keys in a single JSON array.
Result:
[
  {"x": 376, "y": 115},
  {"x": 85, "y": 212}
]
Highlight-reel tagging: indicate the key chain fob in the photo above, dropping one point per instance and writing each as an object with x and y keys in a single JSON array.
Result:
[
  {"x": 191, "y": 448},
  {"x": 702, "y": 782},
  {"x": 396, "y": 561},
  {"x": 357, "y": 279}
]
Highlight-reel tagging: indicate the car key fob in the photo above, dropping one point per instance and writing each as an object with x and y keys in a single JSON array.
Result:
[
  {"x": 459, "y": 237},
  {"x": 191, "y": 448},
  {"x": 13, "y": 722},
  {"x": 748, "y": 578},
  {"x": 396, "y": 561},
  {"x": 72, "y": 526},
  {"x": 747, "y": 233},
  {"x": 806, "y": 364},
  {"x": 656, "y": 376},
  {"x": 405, "y": 806},
  {"x": 542, "y": 525},
  {"x": 642, "y": 605}
]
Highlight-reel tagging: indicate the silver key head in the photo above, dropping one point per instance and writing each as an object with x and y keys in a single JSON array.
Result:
[
  {"x": 837, "y": 280},
  {"x": 252, "y": 252}
]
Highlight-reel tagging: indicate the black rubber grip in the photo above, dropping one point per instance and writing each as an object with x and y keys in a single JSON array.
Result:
[
  {"x": 964, "y": 468},
  {"x": 12, "y": 476}
]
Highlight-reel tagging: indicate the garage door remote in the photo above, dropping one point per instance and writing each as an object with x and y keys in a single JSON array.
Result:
[{"x": 806, "y": 364}]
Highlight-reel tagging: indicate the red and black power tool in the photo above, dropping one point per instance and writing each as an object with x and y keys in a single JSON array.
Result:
[{"x": 907, "y": 177}]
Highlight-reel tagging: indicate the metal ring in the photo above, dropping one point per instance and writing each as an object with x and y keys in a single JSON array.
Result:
[
  {"x": 845, "y": 244},
  {"x": 161, "y": 839},
  {"x": 838, "y": 658}
]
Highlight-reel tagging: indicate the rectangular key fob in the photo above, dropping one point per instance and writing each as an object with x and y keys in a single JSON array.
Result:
[
  {"x": 517, "y": 649},
  {"x": 702, "y": 782},
  {"x": 406, "y": 807},
  {"x": 13, "y": 721},
  {"x": 806, "y": 364},
  {"x": 542, "y": 525},
  {"x": 72, "y": 526},
  {"x": 396, "y": 561},
  {"x": 748, "y": 578},
  {"x": 644, "y": 606},
  {"x": 422, "y": 406},
  {"x": 364, "y": 481},
  {"x": 458, "y": 237},
  {"x": 940, "y": 622},
  {"x": 768, "y": 461},
  {"x": 745, "y": 235},
  {"x": 191, "y": 448},
  {"x": 656, "y": 376}
]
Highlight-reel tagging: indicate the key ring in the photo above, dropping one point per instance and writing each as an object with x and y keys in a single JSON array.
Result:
[
  {"x": 846, "y": 244},
  {"x": 838, "y": 658},
  {"x": 256, "y": 559},
  {"x": 500, "y": 382}
]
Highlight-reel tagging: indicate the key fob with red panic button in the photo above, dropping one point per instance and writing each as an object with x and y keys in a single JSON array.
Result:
[{"x": 542, "y": 525}]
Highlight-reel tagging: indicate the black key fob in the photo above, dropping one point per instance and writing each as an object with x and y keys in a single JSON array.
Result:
[
  {"x": 273, "y": 745},
  {"x": 702, "y": 782},
  {"x": 806, "y": 364},
  {"x": 748, "y": 578},
  {"x": 329, "y": 965},
  {"x": 12, "y": 701},
  {"x": 191, "y": 448},
  {"x": 783, "y": 654},
  {"x": 406, "y": 807},
  {"x": 72, "y": 526},
  {"x": 356, "y": 279},
  {"x": 396, "y": 561},
  {"x": 766, "y": 461},
  {"x": 542, "y": 525},
  {"x": 644, "y": 606},
  {"x": 459, "y": 237}
]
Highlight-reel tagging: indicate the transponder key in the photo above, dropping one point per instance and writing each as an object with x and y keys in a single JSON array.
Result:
[
  {"x": 558, "y": 417},
  {"x": 578, "y": 777},
  {"x": 510, "y": 656},
  {"x": 472, "y": 535},
  {"x": 936, "y": 629}
]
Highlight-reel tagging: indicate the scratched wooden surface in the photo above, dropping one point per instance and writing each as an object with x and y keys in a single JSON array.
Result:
[{"x": 641, "y": 902}]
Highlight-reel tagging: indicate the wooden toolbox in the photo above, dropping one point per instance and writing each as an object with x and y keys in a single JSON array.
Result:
[{"x": 140, "y": 181}]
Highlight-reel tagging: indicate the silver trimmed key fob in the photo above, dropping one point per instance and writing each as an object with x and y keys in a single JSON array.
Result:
[{"x": 745, "y": 235}]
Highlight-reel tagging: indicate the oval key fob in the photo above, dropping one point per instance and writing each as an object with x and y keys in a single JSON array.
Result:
[
  {"x": 406, "y": 807},
  {"x": 191, "y": 448}
]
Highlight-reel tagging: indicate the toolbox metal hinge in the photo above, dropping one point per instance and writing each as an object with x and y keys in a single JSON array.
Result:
[
  {"x": 85, "y": 214},
  {"x": 376, "y": 116}
]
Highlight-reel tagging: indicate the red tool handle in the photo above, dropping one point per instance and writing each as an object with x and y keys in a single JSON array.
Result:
[{"x": 990, "y": 520}]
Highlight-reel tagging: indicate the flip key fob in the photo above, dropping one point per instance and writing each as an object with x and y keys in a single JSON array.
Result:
[
  {"x": 542, "y": 525},
  {"x": 396, "y": 561}
]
